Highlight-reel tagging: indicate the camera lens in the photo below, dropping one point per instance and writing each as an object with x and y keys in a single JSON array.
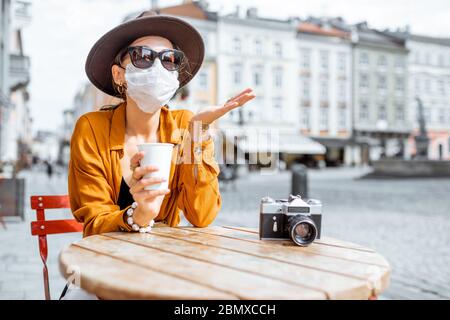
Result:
[{"x": 303, "y": 231}]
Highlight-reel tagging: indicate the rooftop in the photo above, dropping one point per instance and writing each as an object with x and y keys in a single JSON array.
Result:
[{"x": 323, "y": 30}]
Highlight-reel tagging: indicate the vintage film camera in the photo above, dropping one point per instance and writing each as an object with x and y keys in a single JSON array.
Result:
[{"x": 290, "y": 219}]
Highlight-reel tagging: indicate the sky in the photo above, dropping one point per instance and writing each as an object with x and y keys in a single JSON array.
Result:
[{"x": 62, "y": 32}]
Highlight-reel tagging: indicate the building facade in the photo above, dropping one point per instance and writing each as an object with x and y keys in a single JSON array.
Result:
[
  {"x": 325, "y": 83},
  {"x": 429, "y": 69},
  {"x": 381, "y": 121},
  {"x": 15, "y": 118},
  {"x": 262, "y": 54}
]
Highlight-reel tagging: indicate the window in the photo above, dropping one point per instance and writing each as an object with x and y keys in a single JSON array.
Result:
[
  {"x": 342, "y": 121},
  {"x": 324, "y": 90},
  {"x": 306, "y": 89},
  {"x": 278, "y": 77},
  {"x": 250, "y": 116},
  {"x": 324, "y": 60},
  {"x": 417, "y": 85},
  {"x": 203, "y": 80},
  {"x": 257, "y": 76},
  {"x": 323, "y": 118},
  {"x": 364, "y": 80},
  {"x": 427, "y": 58},
  {"x": 342, "y": 61},
  {"x": 237, "y": 46},
  {"x": 256, "y": 107},
  {"x": 277, "y": 103},
  {"x": 427, "y": 114},
  {"x": 306, "y": 118},
  {"x": 306, "y": 58},
  {"x": 441, "y": 86},
  {"x": 205, "y": 37},
  {"x": 342, "y": 95},
  {"x": 382, "y": 112},
  {"x": 364, "y": 111},
  {"x": 441, "y": 60},
  {"x": 258, "y": 47},
  {"x": 382, "y": 61},
  {"x": 399, "y": 113},
  {"x": 278, "y": 50},
  {"x": 382, "y": 82},
  {"x": 442, "y": 116},
  {"x": 237, "y": 74},
  {"x": 399, "y": 84},
  {"x": 364, "y": 59},
  {"x": 417, "y": 57},
  {"x": 428, "y": 85},
  {"x": 400, "y": 62}
]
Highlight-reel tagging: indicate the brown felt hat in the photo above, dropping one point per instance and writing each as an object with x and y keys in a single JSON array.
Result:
[{"x": 148, "y": 23}]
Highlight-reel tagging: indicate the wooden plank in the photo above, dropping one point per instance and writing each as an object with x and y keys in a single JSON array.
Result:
[
  {"x": 376, "y": 276},
  {"x": 243, "y": 285},
  {"x": 335, "y": 286},
  {"x": 110, "y": 278},
  {"x": 333, "y": 242},
  {"x": 371, "y": 258}
]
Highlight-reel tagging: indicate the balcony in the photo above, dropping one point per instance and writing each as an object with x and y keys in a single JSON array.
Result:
[{"x": 19, "y": 70}]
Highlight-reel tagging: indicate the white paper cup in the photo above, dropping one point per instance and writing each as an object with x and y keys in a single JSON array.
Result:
[{"x": 159, "y": 155}]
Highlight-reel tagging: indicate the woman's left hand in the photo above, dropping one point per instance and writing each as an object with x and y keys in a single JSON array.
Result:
[{"x": 211, "y": 114}]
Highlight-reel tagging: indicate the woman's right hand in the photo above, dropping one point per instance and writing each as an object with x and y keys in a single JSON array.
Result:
[{"x": 148, "y": 201}]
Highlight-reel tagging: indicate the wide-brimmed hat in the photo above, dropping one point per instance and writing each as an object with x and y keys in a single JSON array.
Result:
[{"x": 148, "y": 23}]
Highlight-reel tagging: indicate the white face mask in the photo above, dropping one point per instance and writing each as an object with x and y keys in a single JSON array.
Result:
[{"x": 151, "y": 88}]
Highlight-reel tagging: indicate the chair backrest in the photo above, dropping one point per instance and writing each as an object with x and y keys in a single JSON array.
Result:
[{"x": 42, "y": 227}]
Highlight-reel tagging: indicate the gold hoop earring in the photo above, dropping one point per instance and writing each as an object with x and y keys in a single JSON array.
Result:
[{"x": 121, "y": 89}]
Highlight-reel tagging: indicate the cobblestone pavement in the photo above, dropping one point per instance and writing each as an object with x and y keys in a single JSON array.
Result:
[{"x": 407, "y": 221}]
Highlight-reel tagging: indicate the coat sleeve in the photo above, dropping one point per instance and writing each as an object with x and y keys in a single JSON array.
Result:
[
  {"x": 91, "y": 196},
  {"x": 199, "y": 196}
]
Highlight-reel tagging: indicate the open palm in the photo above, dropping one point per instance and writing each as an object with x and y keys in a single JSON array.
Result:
[{"x": 213, "y": 113}]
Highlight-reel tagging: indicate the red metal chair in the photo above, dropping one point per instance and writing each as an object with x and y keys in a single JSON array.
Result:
[{"x": 42, "y": 227}]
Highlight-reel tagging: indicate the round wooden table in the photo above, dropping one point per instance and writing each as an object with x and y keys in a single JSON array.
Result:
[{"x": 221, "y": 263}]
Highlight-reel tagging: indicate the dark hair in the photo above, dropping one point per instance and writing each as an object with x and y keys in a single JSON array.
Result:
[{"x": 184, "y": 69}]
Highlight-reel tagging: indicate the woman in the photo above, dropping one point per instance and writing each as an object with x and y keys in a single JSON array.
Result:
[{"x": 144, "y": 61}]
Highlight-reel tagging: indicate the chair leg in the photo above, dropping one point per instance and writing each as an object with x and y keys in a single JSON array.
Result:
[
  {"x": 46, "y": 283},
  {"x": 43, "y": 250}
]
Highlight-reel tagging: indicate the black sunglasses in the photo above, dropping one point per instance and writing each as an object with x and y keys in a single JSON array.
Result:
[{"x": 144, "y": 57}]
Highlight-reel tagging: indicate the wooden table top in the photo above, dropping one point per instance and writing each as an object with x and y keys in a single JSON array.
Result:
[{"x": 222, "y": 263}]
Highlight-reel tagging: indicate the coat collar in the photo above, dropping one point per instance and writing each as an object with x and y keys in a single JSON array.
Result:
[{"x": 168, "y": 128}]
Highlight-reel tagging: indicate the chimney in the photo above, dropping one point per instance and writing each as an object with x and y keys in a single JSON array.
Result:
[{"x": 154, "y": 4}]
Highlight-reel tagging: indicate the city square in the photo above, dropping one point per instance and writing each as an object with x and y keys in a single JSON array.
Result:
[{"x": 405, "y": 220}]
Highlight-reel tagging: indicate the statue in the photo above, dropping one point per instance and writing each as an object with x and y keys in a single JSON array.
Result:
[{"x": 422, "y": 140}]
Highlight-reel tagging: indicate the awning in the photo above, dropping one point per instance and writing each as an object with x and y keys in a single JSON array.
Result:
[
  {"x": 333, "y": 142},
  {"x": 299, "y": 144},
  {"x": 252, "y": 140}
]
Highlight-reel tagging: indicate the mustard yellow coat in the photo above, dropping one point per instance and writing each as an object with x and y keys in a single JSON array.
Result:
[{"x": 95, "y": 173}]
